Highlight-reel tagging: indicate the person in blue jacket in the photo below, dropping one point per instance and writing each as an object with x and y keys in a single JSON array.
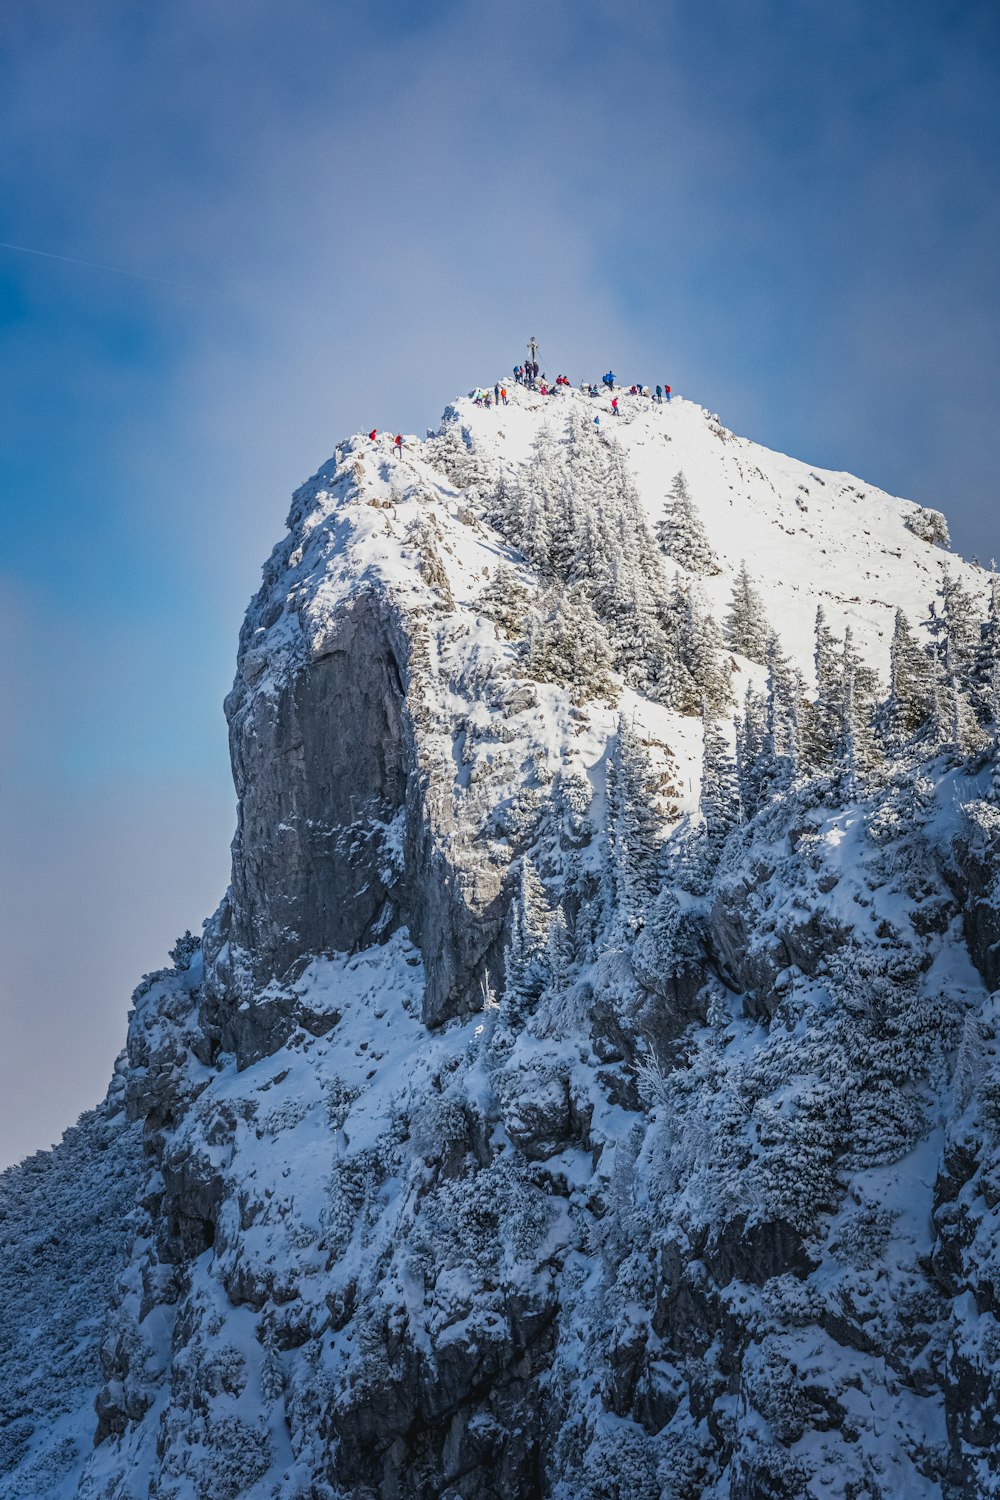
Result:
[{"x": 659, "y": 393}]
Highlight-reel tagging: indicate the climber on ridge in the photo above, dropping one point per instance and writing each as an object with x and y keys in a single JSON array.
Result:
[
  {"x": 609, "y": 380},
  {"x": 614, "y": 405},
  {"x": 373, "y": 434},
  {"x": 398, "y": 444}
]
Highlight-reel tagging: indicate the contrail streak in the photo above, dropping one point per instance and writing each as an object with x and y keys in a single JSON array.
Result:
[{"x": 94, "y": 265}]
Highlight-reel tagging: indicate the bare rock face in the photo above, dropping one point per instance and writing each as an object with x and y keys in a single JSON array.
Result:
[
  {"x": 975, "y": 873},
  {"x": 321, "y": 769},
  {"x": 347, "y": 828}
]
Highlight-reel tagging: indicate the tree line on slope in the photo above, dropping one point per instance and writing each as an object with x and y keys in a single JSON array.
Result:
[
  {"x": 771, "y": 1133},
  {"x": 609, "y": 605},
  {"x": 943, "y": 697},
  {"x": 833, "y": 747},
  {"x": 608, "y": 602}
]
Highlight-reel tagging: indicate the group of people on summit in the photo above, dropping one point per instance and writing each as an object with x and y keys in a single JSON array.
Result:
[
  {"x": 483, "y": 398},
  {"x": 397, "y": 441},
  {"x": 661, "y": 392},
  {"x": 526, "y": 374}
]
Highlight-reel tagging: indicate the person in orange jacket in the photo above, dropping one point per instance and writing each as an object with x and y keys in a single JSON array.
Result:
[{"x": 503, "y": 394}]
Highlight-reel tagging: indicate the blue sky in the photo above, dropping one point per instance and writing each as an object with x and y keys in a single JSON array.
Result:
[{"x": 788, "y": 210}]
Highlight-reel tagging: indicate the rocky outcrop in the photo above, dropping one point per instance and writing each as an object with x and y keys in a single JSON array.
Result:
[
  {"x": 346, "y": 829},
  {"x": 974, "y": 870},
  {"x": 321, "y": 761}
]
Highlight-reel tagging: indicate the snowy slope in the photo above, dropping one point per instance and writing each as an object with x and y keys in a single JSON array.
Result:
[{"x": 810, "y": 536}]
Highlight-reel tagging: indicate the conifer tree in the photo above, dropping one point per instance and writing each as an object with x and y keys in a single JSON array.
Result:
[
  {"x": 859, "y": 695},
  {"x": 955, "y": 726},
  {"x": 634, "y": 844},
  {"x": 507, "y": 602},
  {"x": 719, "y": 795},
  {"x": 751, "y": 728},
  {"x": 781, "y": 749},
  {"x": 910, "y": 681},
  {"x": 558, "y": 950},
  {"x": 798, "y": 702},
  {"x": 528, "y": 499},
  {"x": 702, "y": 650},
  {"x": 681, "y": 534},
  {"x": 822, "y": 731},
  {"x": 848, "y": 747},
  {"x": 455, "y": 453},
  {"x": 962, "y": 626},
  {"x": 568, "y": 644},
  {"x": 989, "y": 662},
  {"x": 668, "y": 680},
  {"x": 956, "y": 636},
  {"x": 986, "y": 672},
  {"x": 991, "y": 699},
  {"x": 535, "y": 539},
  {"x": 745, "y": 627},
  {"x": 526, "y": 963},
  {"x": 629, "y": 612}
]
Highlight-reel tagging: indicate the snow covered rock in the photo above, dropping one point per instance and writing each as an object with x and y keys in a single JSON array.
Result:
[{"x": 587, "y": 1087}]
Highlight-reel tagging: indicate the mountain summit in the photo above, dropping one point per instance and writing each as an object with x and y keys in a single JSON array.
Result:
[{"x": 587, "y": 1087}]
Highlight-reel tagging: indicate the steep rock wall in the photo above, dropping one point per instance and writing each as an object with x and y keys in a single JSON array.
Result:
[
  {"x": 347, "y": 827},
  {"x": 321, "y": 766}
]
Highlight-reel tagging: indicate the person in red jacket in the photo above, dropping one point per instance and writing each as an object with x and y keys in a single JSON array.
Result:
[
  {"x": 373, "y": 434},
  {"x": 398, "y": 444},
  {"x": 614, "y": 405},
  {"x": 666, "y": 391}
]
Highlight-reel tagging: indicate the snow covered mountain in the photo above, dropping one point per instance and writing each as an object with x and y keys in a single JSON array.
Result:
[{"x": 587, "y": 1087}]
